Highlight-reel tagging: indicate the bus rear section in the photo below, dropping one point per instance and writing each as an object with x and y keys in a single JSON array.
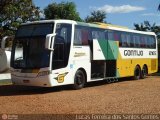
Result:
[{"x": 125, "y": 54}]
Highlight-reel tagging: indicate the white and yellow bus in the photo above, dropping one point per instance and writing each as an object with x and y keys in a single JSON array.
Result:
[{"x": 61, "y": 52}]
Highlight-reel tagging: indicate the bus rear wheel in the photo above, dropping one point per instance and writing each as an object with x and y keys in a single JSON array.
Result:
[
  {"x": 137, "y": 73},
  {"x": 79, "y": 80},
  {"x": 144, "y": 72}
]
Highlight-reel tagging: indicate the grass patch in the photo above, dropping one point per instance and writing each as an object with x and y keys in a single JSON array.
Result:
[{"x": 5, "y": 82}]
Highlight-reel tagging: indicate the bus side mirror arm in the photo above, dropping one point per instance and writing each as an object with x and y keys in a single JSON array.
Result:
[{"x": 50, "y": 41}]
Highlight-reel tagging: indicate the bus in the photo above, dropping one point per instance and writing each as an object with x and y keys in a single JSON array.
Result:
[
  {"x": 5, "y": 53},
  {"x": 65, "y": 52},
  {"x": 5, "y": 56}
]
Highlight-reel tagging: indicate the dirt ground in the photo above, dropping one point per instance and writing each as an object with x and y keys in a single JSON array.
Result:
[{"x": 123, "y": 97}]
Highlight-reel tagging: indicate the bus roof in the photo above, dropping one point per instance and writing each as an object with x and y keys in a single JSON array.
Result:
[{"x": 94, "y": 24}]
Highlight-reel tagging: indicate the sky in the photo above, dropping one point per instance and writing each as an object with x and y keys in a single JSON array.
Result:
[{"x": 119, "y": 12}]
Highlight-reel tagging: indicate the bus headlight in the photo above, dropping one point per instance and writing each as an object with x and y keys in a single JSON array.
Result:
[{"x": 43, "y": 73}]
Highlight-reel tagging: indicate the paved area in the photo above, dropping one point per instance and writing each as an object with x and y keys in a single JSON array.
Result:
[{"x": 123, "y": 97}]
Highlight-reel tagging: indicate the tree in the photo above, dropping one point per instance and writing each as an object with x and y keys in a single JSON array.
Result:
[
  {"x": 146, "y": 26},
  {"x": 3, "y": 3},
  {"x": 63, "y": 10},
  {"x": 159, "y": 7},
  {"x": 14, "y": 12},
  {"x": 140, "y": 27},
  {"x": 96, "y": 16}
]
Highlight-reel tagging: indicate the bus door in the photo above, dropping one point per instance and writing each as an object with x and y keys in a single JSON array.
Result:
[
  {"x": 105, "y": 53},
  {"x": 61, "y": 46},
  {"x": 112, "y": 53}
]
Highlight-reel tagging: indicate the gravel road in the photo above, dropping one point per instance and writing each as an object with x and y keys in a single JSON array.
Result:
[{"x": 123, "y": 97}]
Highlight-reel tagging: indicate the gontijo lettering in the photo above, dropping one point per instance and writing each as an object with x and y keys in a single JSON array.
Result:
[{"x": 133, "y": 53}]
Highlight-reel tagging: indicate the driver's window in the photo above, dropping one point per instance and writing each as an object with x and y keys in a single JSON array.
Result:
[{"x": 62, "y": 31}]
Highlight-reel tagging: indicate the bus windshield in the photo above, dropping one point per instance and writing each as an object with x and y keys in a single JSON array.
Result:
[{"x": 29, "y": 46}]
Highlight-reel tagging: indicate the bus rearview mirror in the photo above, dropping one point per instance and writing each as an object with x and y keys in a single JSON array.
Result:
[{"x": 49, "y": 41}]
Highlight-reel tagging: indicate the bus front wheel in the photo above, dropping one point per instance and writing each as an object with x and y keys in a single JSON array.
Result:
[
  {"x": 79, "y": 80},
  {"x": 137, "y": 73}
]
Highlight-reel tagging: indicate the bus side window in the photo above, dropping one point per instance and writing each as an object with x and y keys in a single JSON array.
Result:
[
  {"x": 98, "y": 33},
  {"x": 153, "y": 42},
  {"x": 132, "y": 42},
  {"x": 142, "y": 42},
  {"x": 77, "y": 37},
  {"x": 125, "y": 38},
  {"x": 145, "y": 40},
  {"x": 148, "y": 42},
  {"x": 136, "y": 40},
  {"x": 81, "y": 35},
  {"x": 128, "y": 39},
  {"x": 110, "y": 35},
  {"x": 85, "y": 36},
  {"x": 116, "y": 36}
]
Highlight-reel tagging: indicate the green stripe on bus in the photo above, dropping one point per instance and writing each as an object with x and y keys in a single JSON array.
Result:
[
  {"x": 103, "y": 45},
  {"x": 112, "y": 50}
]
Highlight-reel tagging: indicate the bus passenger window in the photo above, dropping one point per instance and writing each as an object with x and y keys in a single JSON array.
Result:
[
  {"x": 85, "y": 36},
  {"x": 148, "y": 42},
  {"x": 110, "y": 35},
  {"x": 125, "y": 40},
  {"x": 136, "y": 40},
  {"x": 132, "y": 42},
  {"x": 98, "y": 34},
  {"x": 81, "y": 36},
  {"x": 77, "y": 37},
  {"x": 153, "y": 42},
  {"x": 128, "y": 39},
  {"x": 143, "y": 42},
  {"x": 116, "y": 36}
]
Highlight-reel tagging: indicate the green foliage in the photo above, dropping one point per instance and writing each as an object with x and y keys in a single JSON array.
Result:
[
  {"x": 146, "y": 26},
  {"x": 96, "y": 16},
  {"x": 159, "y": 7},
  {"x": 63, "y": 10},
  {"x": 14, "y": 12}
]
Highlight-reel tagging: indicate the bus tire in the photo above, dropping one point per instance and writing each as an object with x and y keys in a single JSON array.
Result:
[
  {"x": 137, "y": 73},
  {"x": 79, "y": 80},
  {"x": 144, "y": 72}
]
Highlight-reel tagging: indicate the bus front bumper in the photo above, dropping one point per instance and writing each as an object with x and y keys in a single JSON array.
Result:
[{"x": 43, "y": 81}]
